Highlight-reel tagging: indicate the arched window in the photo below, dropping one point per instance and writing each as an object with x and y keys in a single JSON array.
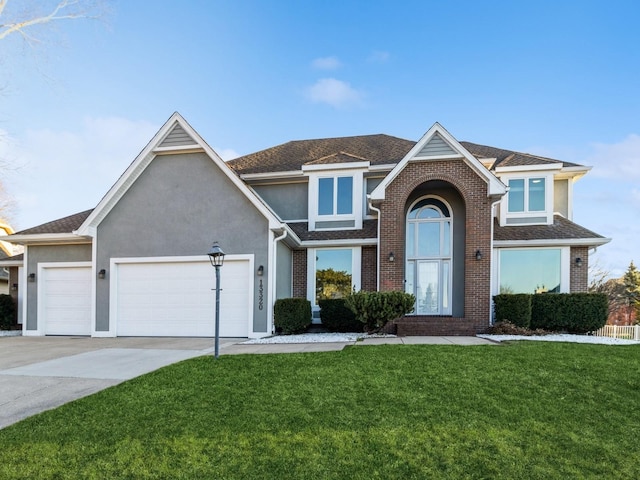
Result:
[{"x": 428, "y": 247}]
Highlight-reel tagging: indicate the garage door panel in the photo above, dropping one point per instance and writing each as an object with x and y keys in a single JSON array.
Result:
[
  {"x": 66, "y": 300},
  {"x": 178, "y": 299}
]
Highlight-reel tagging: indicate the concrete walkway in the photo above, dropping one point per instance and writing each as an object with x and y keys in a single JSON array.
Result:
[{"x": 41, "y": 373}]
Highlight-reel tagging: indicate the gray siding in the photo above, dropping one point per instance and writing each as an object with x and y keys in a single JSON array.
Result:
[
  {"x": 179, "y": 206},
  {"x": 436, "y": 147},
  {"x": 288, "y": 200},
  {"x": 284, "y": 281},
  {"x": 47, "y": 254},
  {"x": 561, "y": 197}
]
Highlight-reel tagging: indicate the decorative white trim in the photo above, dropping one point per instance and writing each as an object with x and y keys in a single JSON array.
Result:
[
  {"x": 530, "y": 168},
  {"x": 339, "y": 243},
  {"x": 356, "y": 204},
  {"x": 335, "y": 166},
  {"x": 48, "y": 239},
  {"x": 272, "y": 175},
  {"x": 494, "y": 185},
  {"x": 587, "y": 242},
  {"x": 147, "y": 155}
]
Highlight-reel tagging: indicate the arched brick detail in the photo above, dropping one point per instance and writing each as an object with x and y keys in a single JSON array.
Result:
[{"x": 473, "y": 189}]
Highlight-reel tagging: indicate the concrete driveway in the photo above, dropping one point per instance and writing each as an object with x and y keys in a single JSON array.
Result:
[{"x": 40, "y": 373}]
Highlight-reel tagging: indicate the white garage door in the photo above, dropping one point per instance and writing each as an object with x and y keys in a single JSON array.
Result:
[
  {"x": 177, "y": 298},
  {"x": 65, "y": 306}
]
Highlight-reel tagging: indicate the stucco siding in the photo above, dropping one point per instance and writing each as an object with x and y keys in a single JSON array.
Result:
[
  {"x": 48, "y": 254},
  {"x": 288, "y": 200},
  {"x": 561, "y": 197},
  {"x": 284, "y": 271},
  {"x": 179, "y": 206}
]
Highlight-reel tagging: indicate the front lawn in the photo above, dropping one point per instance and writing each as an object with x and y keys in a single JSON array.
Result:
[{"x": 524, "y": 410}]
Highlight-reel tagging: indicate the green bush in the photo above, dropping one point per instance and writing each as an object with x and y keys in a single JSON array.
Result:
[
  {"x": 7, "y": 312},
  {"x": 513, "y": 308},
  {"x": 570, "y": 312},
  {"x": 376, "y": 309},
  {"x": 292, "y": 315},
  {"x": 337, "y": 317}
]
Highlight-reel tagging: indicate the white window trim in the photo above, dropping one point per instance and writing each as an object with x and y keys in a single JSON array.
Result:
[
  {"x": 357, "y": 206},
  {"x": 356, "y": 271},
  {"x": 565, "y": 266},
  {"x": 547, "y": 213}
]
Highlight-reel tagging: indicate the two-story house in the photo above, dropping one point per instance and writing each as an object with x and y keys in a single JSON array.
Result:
[{"x": 452, "y": 222}]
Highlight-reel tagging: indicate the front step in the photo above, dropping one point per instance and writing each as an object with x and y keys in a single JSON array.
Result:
[{"x": 434, "y": 326}]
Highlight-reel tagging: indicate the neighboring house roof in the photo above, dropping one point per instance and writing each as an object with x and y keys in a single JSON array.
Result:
[
  {"x": 561, "y": 231},
  {"x": 510, "y": 158},
  {"x": 369, "y": 231},
  {"x": 377, "y": 149},
  {"x": 62, "y": 225}
]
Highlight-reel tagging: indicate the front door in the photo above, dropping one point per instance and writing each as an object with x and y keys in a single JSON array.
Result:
[{"x": 429, "y": 247}]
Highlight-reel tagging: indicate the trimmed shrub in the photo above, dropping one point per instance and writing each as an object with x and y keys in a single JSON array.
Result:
[
  {"x": 376, "y": 309},
  {"x": 7, "y": 312},
  {"x": 292, "y": 315},
  {"x": 513, "y": 308},
  {"x": 337, "y": 317},
  {"x": 570, "y": 312}
]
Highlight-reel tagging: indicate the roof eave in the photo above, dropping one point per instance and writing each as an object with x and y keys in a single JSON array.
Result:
[
  {"x": 47, "y": 239},
  {"x": 548, "y": 242}
]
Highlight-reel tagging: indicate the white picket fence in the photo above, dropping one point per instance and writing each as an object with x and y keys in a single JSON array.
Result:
[{"x": 628, "y": 332}]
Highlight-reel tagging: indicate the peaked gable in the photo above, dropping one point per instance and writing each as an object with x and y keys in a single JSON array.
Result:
[
  {"x": 438, "y": 143},
  {"x": 176, "y": 135}
]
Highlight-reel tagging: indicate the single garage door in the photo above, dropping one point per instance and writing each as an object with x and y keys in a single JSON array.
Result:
[
  {"x": 176, "y": 298},
  {"x": 65, "y": 293}
]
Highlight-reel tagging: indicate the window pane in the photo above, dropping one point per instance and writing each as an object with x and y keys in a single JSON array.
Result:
[
  {"x": 325, "y": 196},
  {"x": 345, "y": 195},
  {"x": 411, "y": 234},
  {"x": 409, "y": 282},
  {"x": 445, "y": 286},
  {"x": 429, "y": 212},
  {"x": 530, "y": 271},
  {"x": 516, "y": 195},
  {"x": 427, "y": 291},
  {"x": 429, "y": 239},
  {"x": 333, "y": 273},
  {"x": 536, "y": 194},
  {"x": 446, "y": 247}
]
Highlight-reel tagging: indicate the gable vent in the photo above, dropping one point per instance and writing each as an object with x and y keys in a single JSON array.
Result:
[
  {"x": 436, "y": 147},
  {"x": 177, "y": 138}
]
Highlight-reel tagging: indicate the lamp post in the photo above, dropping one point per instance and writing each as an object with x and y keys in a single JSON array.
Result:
[{"x": 216, "y": 255}]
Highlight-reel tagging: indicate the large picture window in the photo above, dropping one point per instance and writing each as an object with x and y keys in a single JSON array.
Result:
[{"x": 532, "y": 270}]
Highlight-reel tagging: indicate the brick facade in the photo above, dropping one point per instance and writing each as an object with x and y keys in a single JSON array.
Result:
[
  {"x": 369, "y": 269},
  {"x": 300, "y": 274},
  {"x": 477, "y": 275},
  {"x": 579, "y": 275}
]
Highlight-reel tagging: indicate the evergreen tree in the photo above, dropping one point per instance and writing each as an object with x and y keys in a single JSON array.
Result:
[{"x": 631, "y": 280}]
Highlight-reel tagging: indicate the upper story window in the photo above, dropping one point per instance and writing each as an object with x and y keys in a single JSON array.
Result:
[
  {"x": 527, "y": 195},
  {"x": 529, "y": 200},
  {"x": 335, "y": 196}
]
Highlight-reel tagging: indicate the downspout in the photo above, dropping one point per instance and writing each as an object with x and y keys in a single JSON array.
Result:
[
  {"x": 272, "y": 280},
  {"x": 377, "y": 210},
  {"x": 492, "y": 261}
]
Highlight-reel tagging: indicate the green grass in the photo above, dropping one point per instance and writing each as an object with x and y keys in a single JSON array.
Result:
[{"x": 524, "y": 410}]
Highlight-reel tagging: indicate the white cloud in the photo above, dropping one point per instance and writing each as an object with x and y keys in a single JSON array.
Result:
[
  {"x": 334, "y": 92},
  {"x": 64, "y": 172},
  {"x": 617, "y": 160},
  {"x": 326, "y": 63},
  {"x": 379, "y": 56}
]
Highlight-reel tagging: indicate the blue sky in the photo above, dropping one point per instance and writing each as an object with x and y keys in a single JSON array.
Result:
[{"x": 555, "y": 78}]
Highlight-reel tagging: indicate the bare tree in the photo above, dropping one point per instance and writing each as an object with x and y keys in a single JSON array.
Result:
[{"x": 26, "y": 18}]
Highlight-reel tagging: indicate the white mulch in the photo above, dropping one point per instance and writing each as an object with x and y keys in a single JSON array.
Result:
[
  {"x": 313, "y": 338},
  {"x": 563, "y": 338},
  {"x": 352, "y": 337}
]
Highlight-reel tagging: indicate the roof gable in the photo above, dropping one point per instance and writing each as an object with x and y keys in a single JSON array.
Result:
[
  {"x": 175, "y": 136},
  {"x": 438, "y": 144}
]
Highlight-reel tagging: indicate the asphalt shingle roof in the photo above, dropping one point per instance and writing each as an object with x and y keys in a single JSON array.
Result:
[
  {"x": 561, "y": 229},
  {"x": 369, "y": 230},
  {"x": 377, "y": 149},
  {"x": 509, "y": 158},
  {"x": 62, "y": 225}
]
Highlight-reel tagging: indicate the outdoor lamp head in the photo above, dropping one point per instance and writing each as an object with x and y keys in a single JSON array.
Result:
[{"x": 216, "y": 255}]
